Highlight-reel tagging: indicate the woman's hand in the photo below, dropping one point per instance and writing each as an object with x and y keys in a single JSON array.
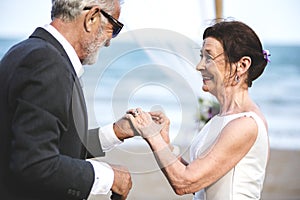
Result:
[
  {"x": 147, "y": 124},
  {"x": 160, "y": 118}
]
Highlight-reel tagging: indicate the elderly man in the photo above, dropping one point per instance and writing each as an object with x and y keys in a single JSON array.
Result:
[{"x": 45, "y": 143}]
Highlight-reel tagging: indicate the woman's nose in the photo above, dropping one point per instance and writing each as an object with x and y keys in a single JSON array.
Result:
[{"x": 201, "y": 65}]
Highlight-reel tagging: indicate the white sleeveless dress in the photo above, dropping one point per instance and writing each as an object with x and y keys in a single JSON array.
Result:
[{"x": 245, "y": 180}]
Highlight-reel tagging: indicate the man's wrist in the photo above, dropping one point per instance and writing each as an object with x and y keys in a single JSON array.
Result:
[
  {"x": 108, "y": 137},
  {"x": 104, "y": 177},
  {"x": 118, "y": 132}
]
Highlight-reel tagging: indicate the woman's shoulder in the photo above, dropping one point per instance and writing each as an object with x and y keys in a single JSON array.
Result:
[{"x": 258, "y": 116}]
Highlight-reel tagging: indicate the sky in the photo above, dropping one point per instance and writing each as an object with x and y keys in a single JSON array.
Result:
[{"x": 275, "y": 21}]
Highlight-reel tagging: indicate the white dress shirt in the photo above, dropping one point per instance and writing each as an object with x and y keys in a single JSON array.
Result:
[{"x": 104, "y": 175}]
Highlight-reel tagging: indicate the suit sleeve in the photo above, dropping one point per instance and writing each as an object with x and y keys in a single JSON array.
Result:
[
  {"x": 94, "y": 145},
  {"x": 40, "y": 94}
]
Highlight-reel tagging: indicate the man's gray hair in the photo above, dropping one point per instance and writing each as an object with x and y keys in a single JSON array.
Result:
[{"x": 68, "y": 10}]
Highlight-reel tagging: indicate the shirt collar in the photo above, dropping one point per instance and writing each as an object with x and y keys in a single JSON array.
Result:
[{"x": 68, "y": 48}]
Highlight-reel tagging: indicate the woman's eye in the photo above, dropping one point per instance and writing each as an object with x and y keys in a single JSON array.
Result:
[{"x": 208, "y": 58}]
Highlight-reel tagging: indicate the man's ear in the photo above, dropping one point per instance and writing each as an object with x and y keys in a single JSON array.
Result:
[
  {"x": 243, "y": 65},
  {"x": 91, "y": 18}
]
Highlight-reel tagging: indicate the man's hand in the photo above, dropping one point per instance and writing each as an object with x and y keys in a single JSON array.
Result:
[
  {"x": 122, "y": 183},
  {"x": 124, "y": 129}
]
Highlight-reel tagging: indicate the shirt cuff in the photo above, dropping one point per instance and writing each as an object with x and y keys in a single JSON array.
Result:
[
  {"x": 108, "y": 137},
  {"x": 104, "y": 177}
]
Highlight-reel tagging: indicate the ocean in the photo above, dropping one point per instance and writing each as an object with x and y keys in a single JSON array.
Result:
[{"x": 134, "y": 73}]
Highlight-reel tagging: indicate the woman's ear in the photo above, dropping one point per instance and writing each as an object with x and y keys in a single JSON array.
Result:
[
  {"x": 91, "y": 18},
  {"x": 243, "y": 65}
]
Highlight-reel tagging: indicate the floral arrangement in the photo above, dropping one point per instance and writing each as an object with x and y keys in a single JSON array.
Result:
[{"x": 208, "y": 109}]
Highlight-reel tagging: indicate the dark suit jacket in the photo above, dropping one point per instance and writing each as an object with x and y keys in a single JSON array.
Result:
[{"x": 43, "y": 124}]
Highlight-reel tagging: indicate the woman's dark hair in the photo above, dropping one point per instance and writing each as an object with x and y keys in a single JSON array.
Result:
[{"x": 239, "y": 40}]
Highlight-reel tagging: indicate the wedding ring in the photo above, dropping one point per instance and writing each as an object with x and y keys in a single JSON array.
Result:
[{"x": 136, "y": 113}]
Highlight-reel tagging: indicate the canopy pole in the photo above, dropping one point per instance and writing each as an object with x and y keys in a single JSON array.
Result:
[{"x": 219, "y": 9}]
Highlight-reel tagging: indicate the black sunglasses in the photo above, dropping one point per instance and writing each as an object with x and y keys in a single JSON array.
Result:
[{"x": 117, "y": 26}]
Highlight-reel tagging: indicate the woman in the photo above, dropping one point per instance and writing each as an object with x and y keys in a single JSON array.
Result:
[{"x": 229, "y": 156}]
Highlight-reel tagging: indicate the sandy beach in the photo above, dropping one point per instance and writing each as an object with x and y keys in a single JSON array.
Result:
[{"x": 282, "y": 179}]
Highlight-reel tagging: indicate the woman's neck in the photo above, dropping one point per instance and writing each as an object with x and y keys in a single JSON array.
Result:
[{"x": 232, "y": 102}]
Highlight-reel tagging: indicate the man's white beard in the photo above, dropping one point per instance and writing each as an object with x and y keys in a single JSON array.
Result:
[
  {"x": 92, "y": 58},
  {"x": 93, "y": 50}
]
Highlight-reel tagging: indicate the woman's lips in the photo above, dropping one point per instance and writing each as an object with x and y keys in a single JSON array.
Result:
[{"x": 206, "y": 78}]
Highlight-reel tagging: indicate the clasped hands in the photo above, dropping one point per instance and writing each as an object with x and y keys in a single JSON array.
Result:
[{"x": 137, "y": 122}]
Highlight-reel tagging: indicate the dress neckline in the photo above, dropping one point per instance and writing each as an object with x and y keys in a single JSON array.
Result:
[{"x": 234, "y": 114}]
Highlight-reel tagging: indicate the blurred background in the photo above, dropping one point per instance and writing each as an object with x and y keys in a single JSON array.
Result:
[
  {"x": 277, "y": 92},
  {"x": 275, "y": 21}
]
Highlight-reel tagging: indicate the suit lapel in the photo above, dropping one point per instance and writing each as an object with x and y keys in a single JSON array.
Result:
[{"x": 80, "y": 113}]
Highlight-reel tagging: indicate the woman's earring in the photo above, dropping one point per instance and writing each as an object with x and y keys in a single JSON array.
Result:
[{"x": 237, "y": 78}]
